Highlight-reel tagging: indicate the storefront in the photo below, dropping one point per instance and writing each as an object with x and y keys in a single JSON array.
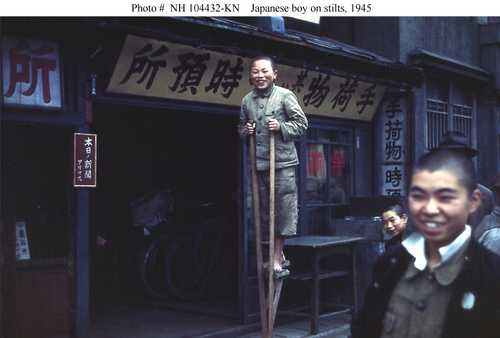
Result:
[
  {"x": 41, "y": 109},
  {"x": 163, "y": 98}
]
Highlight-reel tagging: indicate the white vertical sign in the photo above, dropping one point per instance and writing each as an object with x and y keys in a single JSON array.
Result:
[
  {"x": 393, "y": 135},
  {"x": 22, "y": 245}
]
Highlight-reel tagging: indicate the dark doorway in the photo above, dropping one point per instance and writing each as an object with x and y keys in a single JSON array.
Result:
[
  {"x": 37, "y": 215},
  {"x": 193, "y": 157}
]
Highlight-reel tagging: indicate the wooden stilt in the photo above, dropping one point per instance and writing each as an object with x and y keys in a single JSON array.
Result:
[
  {"x": 277, "y": 293},
  {"x": 268, "y": 305},
  {"x": 270, "y": 290},
  {"x": 258, "y": 237}
]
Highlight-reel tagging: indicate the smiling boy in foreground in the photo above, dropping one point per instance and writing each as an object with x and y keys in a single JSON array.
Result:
[{"x": 439, "y": 282}]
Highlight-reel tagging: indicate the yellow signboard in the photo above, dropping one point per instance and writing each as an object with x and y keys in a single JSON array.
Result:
[{"x": 160, "y": 69}]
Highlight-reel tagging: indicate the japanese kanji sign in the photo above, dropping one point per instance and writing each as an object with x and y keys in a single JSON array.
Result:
[
  {"x": 22, "y": 244},
  {"x": 161, "y": 69},
  {"x": 393, "y": 180},
  {"x": 393, "y": 147},
  {"x": 31, "y": 72},
  {"x": 85, "y": 160}
]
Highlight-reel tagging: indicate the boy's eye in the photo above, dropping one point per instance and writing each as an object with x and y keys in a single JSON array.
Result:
[
  {"x": 446, "y": 198},
  {"x": 417, "y": 196}
]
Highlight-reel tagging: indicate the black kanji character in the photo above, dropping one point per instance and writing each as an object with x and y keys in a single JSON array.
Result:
[
  {"x": 146, "y": 62},
  {"x": 393, "y": 130},
  {"x": 366, "y": 98},
  {"x": 318, "y": 90},
  {"x": 345, "y": 94},
  {"x": 393, "y": 192},
  {"x": 190, "y": 72},
  {"x": 393, "y": 151},
  {"x": 226, "y": 77},
  {"x": 393, "y": 176},
  {"x": 393, "y": 107},
  {"x": 297, "y": 86}
]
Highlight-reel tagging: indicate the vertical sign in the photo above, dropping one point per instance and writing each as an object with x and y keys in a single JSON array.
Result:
[
  {"x": 31, "y": 72},
  {"x": 22, "y": 246},
  {"x": 85, "y": 160},
  {"x": 393, "y": 147}
]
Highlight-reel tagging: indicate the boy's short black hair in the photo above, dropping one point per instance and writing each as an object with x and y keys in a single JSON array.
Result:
[
  {"x": 454, "y": 161},
  {"x": 397, "y": 208},
  {"x": 263, "y": 57}
]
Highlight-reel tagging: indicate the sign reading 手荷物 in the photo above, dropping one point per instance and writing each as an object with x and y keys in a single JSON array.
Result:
[
  {"x": 85, "y": 160},
  {"x": 393, "y": 147},
  {"x": 154, "y": 68}
]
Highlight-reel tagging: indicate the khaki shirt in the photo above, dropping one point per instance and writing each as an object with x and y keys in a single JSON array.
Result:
[
  {"x": 417, "y": 307},
  {"x": 281, "y": 104}
]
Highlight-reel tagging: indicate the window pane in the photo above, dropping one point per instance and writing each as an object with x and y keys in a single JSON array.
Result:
[
  {"x": 328, "y": 173},
  {"x": 339, "y": 175},
  {"x": 437, "y": 122},
  {"x": 462, "y": 121},
  {"x": 316, "y": 173}
]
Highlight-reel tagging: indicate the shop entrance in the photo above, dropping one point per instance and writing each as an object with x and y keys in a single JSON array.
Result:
[{"x": 177, "y": 173}]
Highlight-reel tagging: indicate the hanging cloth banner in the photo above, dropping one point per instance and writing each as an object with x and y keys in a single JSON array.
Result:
[{"x": 160, "y": 69}]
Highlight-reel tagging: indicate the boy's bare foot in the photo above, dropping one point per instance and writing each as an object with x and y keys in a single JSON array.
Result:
[{"x": 277, "y": 266}]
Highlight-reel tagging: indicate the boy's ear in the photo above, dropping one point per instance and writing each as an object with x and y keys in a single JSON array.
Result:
[{"x": 475, "y": 200}]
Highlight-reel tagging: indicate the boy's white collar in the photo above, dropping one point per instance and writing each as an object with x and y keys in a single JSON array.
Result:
[{"x": 415, "y": 245}]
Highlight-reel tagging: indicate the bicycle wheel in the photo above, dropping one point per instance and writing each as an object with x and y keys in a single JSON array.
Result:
[
  {"x": 192, "y": 259},
  {"x": 183, "y": 278},
  {"x": 152, "y": 268}
]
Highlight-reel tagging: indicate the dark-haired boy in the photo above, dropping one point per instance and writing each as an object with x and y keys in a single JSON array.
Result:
[
  {"x": 267, "y": 109},
  {"x": 439, "y": 282}
]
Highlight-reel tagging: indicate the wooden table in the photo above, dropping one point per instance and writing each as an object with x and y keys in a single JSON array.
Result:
[{"x": 316, "y": 248}]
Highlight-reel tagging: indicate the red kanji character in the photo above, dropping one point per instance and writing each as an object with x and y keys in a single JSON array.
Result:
[{"x": 23, "y": 76}]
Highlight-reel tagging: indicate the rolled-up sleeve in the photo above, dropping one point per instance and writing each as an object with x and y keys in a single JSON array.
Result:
[{"x": 296, "y": 123}]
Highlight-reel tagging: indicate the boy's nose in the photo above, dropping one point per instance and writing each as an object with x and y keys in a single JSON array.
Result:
[{"x": 431, "y": 207}]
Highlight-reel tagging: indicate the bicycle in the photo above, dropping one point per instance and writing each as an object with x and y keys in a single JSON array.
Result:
[{"x": 183, "y": 252}]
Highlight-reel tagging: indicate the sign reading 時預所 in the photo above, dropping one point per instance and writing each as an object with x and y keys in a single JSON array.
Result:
[
  {"x": 154, "y": 68},
  {"x": 85, "y": 160}
]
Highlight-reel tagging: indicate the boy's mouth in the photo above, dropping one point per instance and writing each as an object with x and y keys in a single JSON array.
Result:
[{"x": 431, "y": 225}]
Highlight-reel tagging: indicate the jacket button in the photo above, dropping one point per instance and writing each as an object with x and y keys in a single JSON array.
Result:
[
  {"x": 260, "y": 118},
  {"x": 261, "y": 106},
  {"x": 394, "y": 260},
  {"x": 420, "y": 305},
  {"x": 376, "y": 285}
]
